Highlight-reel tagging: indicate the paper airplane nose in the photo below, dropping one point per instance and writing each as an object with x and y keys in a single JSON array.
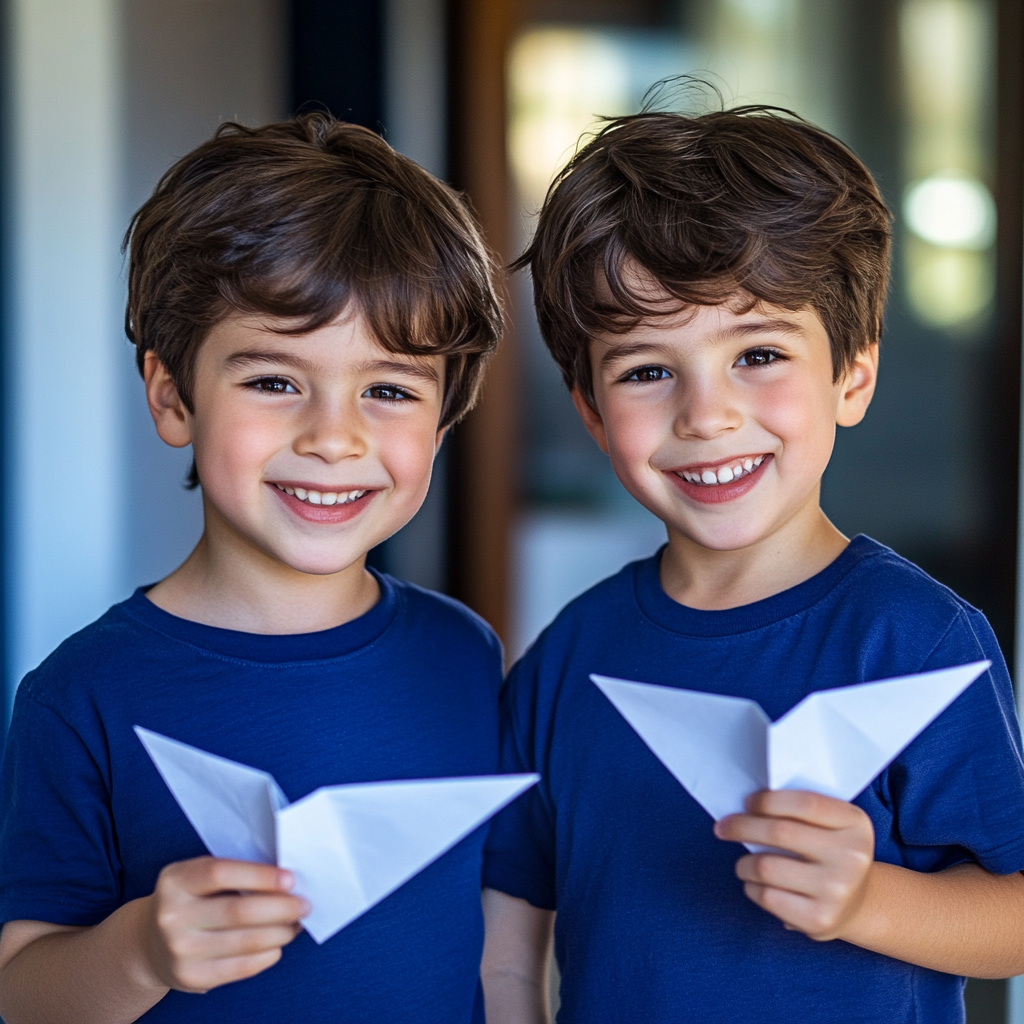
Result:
[{"x": 351, "y": 846}]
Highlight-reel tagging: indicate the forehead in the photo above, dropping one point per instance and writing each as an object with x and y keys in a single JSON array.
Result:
[
  {"x": 346, "y": 340},
  {"x": 739, "y": 319}
]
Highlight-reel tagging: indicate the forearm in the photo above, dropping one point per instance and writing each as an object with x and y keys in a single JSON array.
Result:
[
  {"x": 92, "y": 975},
  {"x": 963, "y": 920},
  {"x": 517, "y": 950}
]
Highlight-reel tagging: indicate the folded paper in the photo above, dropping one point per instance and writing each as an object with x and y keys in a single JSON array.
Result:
[
  {"x": 834, "y": 742},
  {"x": 347, "y": 846}
]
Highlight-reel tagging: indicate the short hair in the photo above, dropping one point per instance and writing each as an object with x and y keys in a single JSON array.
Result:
[
  {"x": 297, "y": 220},
  {"x": 752, "y": 201}
]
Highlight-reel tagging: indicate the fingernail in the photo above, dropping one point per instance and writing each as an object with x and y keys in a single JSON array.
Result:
[
  {"x": 717, "y": 830},
  {"x": 286, "y": 879},
  {"x": 307, "y": 908}
]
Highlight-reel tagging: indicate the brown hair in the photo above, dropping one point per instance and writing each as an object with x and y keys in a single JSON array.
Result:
[
  {"x": 751, "y": 202},
  {"x": 296, "y": 220}
]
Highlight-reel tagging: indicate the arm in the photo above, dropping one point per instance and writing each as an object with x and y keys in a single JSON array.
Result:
[
  {"x": 514, "y": 970},
  {"x": 963, "y": 920},
  {"x": 208, "y": 922}
]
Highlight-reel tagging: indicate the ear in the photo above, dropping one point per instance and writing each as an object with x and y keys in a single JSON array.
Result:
[
  {"x": 591, "y": 419},
  {"x": 441, "y": 434},
  {"x": 858, "y": 387},
  {"x": 172, "y": 419}
]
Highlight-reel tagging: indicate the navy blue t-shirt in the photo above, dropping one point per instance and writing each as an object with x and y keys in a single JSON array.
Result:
[
  {"x": 652, "y": 924},
  {"x": 408, "y": 690}
]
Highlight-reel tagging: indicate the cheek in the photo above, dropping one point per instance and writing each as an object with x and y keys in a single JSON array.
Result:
[
  {"x": 407, "y": 452},
  {"x": 635, "y": 433},
  {"x": 801, "y": 413},
  {"x": 234, "y": 443}
]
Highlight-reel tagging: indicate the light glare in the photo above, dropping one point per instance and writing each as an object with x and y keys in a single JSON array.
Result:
[{"x": 951, "y": 211}]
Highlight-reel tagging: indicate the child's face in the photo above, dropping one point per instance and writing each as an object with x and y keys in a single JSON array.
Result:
[
  {"x": 722, "y": 423},
  {"x": 311, "y": 449}
]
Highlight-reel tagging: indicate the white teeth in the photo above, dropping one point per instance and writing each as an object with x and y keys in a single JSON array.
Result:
[
  {"x": 321, "y": 497},
  {"x": 724, "y": 475}
]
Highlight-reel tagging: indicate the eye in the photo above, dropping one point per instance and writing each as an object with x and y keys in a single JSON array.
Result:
[
  {"x": 646, "y": 374},
  {"x": 759, "y": 357},
  {"x": 272, "y": 386},
  {"x": 388, "y": 393}
]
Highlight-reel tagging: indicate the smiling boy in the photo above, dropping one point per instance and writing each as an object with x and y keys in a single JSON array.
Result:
[
  {"x": 712, "y": 289},
  {"x": 310, "y": 311}
]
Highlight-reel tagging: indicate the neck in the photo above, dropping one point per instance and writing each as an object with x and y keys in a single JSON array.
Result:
[
  {"x": 704, "y": 578},
  {"x": 228, "y": 584}
]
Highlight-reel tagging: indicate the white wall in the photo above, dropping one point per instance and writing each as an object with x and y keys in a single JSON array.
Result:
[
  {"x": 104, "y": 95},
  {"x": 65, "y": 481}
]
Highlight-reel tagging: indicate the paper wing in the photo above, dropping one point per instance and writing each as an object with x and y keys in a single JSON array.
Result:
[
  {"x": 716, "y": 746},
  {"x": 350, "y": 846},
  {"x": 230, "y": 805},
  {"x": 836, "y": 741}
]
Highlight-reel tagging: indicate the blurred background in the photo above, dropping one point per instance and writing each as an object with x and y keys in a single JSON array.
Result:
[{"x": 101, "y": 96}]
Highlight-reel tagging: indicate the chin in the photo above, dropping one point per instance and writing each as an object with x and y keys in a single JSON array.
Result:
[{"x": 320, "y": 565}]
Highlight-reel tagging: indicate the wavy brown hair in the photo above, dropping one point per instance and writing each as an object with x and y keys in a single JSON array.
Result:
[
  {"x": 753, "y": 204},
  {"x": 297, "y": 221}
]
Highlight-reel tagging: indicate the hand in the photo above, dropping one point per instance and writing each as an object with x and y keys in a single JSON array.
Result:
[
  {"x": 818, "y": 890},
  {"x": 212, "y": 921}
]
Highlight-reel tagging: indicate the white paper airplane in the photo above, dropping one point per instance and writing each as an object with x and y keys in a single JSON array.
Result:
[
  {"x": 834, "y": 742},
  {"x": 347, "y": 846}
]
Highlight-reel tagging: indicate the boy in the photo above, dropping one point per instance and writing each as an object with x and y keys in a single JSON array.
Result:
[
  {"x": 311, "y": 311},
  {"x": 712, "y": 288}
]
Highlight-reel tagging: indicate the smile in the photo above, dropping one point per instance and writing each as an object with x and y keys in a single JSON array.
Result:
[
  {"x": 712, "y": 476},
  {"x": 722, "y": 482},
  {"x": 311, "y": 497}
]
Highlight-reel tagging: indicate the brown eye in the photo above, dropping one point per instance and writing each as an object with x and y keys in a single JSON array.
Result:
[
  {"x": 646, "y": 374},
  {"x": 387, "y": 393},
  {"x": 758, "y": 357},
  {"x": 271, "y": 385}
]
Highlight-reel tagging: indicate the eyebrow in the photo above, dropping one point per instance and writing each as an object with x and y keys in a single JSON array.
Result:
[
  {"x": 774, "y": 325},
  {"x": 385, "y": 366}
]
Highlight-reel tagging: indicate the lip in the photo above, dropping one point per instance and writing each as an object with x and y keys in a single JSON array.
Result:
[
  {"x": 328, "y": 514},
  {"x": 717, "y": 494}
]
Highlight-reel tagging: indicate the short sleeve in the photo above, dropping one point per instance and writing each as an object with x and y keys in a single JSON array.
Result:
[
  {"x": 519, "y": 857},
  {"x": 58, "y": 856},
  {"x": 959, "y": 787}
]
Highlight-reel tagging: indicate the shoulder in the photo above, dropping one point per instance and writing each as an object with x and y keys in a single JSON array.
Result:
[
  {"x": 86, "y": 659},
  {"x": 606, "y": 609},
  {"x": 445, "y": 619},
  {"x": 885, "y": 586}
]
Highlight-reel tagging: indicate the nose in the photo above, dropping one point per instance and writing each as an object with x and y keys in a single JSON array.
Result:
[
  {"x": 332, "y": 431},
  {"x": 708, "y": 407}
]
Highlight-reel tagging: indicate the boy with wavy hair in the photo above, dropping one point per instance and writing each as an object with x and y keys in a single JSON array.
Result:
[
  {"x": 311, "y": 311},
  {"x": 712, "y": 288}
]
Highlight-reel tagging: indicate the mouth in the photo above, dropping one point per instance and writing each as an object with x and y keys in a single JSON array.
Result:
[
  {"x": 725, "y": 480},
  {"x": 313, "y": 497},
  {"x": 323, "y": 506}
]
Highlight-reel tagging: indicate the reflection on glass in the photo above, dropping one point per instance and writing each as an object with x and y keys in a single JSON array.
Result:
[
  {"x": 561, "y": 81},
  {"x": 947, "y": 51}
]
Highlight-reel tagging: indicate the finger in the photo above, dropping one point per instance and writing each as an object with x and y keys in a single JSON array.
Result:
[
  {"x": 250, "y": 910},
  {"x": 798, "y": 913},
  {"x": 808, "y": 841},
  {"x": 227, "y": 969},
  {"x": 204, "y": 946},
  {"x": 802, "y": 805},
  {"x": 766, "y": 869},
  {"x": 205, "y": 876}
]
